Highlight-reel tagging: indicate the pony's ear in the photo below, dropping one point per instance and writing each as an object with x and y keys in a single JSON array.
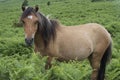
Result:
[
  {"x": 23, "y": 8},
  {"x": 36, "y": 8}
]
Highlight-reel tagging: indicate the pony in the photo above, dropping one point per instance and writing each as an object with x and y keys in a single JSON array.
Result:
[{"x": 87, "y": 41}]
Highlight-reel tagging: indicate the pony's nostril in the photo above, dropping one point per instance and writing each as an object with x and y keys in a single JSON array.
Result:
[{"x": 31, "y": 40}]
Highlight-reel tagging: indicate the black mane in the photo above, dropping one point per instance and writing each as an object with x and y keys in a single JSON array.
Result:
[{"x": 46, "y": 27}]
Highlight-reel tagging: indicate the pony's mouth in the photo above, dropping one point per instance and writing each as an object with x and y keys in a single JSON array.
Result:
[{"x": 29, "y": 42}]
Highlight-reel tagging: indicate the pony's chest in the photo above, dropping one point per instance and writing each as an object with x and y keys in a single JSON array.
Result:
[{"x": 53, "y": 52}]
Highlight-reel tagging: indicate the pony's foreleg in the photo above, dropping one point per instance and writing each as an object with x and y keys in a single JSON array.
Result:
[
  {"x": 48, "y": 64},
  {"x": 95, "y": 63},
  {"x": 35, "y": 49}
]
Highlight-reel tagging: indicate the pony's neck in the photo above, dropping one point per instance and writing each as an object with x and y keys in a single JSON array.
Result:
[
  {"x": 38, "y": 41},
  {"x": 46, "y": 30}
]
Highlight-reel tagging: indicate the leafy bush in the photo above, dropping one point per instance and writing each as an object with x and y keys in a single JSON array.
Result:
[
  {"x": 23, "y": 68},
  {"x": 32, "y": 68},
  {"x": 10, "y": 47},
  {"x": 20, "y": 68}
]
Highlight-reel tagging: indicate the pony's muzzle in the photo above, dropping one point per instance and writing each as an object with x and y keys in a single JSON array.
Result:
[{"x": 29, "y": 42}]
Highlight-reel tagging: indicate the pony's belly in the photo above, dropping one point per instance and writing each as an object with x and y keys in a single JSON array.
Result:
[
  {"x": 76, "y": 49},
  {"x": 76, "y": 55}
]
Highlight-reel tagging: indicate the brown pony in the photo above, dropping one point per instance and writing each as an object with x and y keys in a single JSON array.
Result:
[{"x": 52, "y": 39}]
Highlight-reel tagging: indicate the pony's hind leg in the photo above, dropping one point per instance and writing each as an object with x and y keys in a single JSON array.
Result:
[{"x": 95, "y": 63}]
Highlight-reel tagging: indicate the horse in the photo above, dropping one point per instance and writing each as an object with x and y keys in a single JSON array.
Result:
[{"x": 52, "y": 39}]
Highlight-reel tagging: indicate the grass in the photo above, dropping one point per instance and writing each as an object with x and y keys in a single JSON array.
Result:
[{"x": 18, "y": 62}]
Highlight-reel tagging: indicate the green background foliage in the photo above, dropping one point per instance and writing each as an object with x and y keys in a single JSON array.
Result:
[{"x": 19, "y": 62}]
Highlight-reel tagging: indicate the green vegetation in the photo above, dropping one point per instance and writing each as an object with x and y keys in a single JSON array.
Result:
[{"x": 18, "y": 62}]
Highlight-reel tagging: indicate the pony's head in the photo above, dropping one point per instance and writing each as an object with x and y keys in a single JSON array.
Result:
[
  {"x": 30, "y": 22},
  {"x": 35, "y": 22}
]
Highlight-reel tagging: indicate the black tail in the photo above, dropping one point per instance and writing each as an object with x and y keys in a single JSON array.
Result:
[{"x": 106, "y": 57}]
